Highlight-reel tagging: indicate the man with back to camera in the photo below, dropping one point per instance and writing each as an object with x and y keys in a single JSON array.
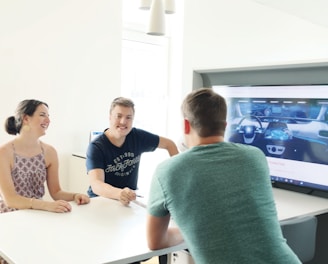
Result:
[{"x": 218, "y": 193}]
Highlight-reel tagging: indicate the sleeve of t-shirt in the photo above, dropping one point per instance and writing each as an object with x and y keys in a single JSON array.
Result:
[
  {"x": 147, "y": 141},
  {"x": 156, "y": 201},
  {"x": 95, "y": 157}
]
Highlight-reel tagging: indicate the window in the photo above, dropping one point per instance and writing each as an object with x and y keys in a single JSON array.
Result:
[{"x": 145, "y": 81}]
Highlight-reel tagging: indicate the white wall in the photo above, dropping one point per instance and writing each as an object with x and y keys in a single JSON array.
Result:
[
  {"x": 67, "y": 53},
  {"x": 239, "y": 33},
  {"x": 223, "y": 33}
]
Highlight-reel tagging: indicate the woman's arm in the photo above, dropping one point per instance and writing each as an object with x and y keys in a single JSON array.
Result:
[{"x": 53, "y": 179}]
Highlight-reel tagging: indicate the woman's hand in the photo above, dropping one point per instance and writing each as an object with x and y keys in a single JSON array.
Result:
[
  {"x": 80, "y": 198},
  {"x": 59, "y": 206}
]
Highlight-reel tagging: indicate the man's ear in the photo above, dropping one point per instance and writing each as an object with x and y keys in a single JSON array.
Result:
[{"x": 186, "y": 125}]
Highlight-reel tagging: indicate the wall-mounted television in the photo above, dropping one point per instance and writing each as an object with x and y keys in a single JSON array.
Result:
[{"x": 290, "y": 125}]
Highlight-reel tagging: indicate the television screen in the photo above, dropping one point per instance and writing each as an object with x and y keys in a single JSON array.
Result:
[{"x": 290, "y": 125}]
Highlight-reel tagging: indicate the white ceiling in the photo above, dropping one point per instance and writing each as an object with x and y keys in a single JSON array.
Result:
[{"x": 314, "y": 11}]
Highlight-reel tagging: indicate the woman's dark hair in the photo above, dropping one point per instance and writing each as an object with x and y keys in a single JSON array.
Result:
[{"x": 14, "y": 124}]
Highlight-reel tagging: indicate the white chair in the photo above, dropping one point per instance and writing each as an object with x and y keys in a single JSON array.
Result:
[{"x": 300, "y": 234}]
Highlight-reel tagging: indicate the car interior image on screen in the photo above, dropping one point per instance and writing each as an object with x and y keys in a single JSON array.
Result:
[{"x": 289, "y": 124}]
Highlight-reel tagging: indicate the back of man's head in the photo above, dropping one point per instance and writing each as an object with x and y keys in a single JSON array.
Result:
[{"x": 206, "y": 112}]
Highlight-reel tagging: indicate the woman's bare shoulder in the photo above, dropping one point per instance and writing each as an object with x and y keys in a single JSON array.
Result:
[
  {"x": 7, "y": 148},
  {"x": 6, "y": 153},
  {"x": 48, "y": 149}
]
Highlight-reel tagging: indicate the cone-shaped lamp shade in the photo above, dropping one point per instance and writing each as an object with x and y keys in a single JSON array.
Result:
[
  {"x": 157, "y": 18},
  {"x": 145, "y": 4},
  {"x": 169, "y": 6}
]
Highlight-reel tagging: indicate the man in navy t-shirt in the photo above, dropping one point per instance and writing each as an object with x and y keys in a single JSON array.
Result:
[{"x": 113, "y": 157}]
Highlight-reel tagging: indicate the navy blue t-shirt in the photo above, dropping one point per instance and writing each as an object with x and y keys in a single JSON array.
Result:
[{"x": 121, "y": 164}]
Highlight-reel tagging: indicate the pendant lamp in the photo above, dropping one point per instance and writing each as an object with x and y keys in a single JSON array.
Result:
[
  {"x": 169, "y": 6},
  {"x": 157, "y": 18},
  {"x": 145, "y": 4}
]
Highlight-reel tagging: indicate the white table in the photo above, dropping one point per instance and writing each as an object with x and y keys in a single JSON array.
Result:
[
  {"x": 103, "y": 231},
  {"x": 292, "y": 204},
  {"x": 289, "y": 204}
]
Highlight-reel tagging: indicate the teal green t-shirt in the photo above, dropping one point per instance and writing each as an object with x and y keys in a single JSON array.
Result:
[{"x": 220, "y": 196}]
